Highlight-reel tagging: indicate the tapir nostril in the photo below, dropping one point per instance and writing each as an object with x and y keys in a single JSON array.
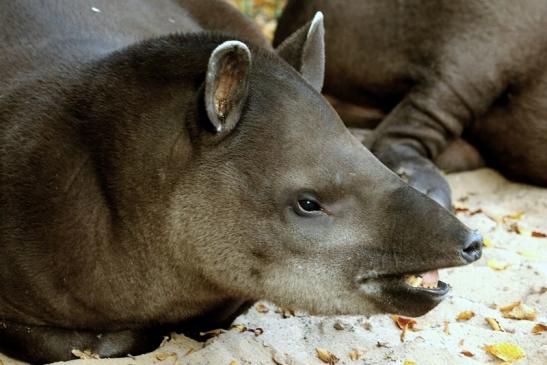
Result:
[{"x": 472, "y": 249}]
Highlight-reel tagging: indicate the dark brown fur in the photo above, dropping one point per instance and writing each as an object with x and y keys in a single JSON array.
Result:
[
  {"x": 439, "y": 71},
  {"x": 132, "y": 204}
]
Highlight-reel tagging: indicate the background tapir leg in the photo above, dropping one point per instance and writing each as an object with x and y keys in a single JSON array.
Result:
[
  {"x": 459, "y": 155},
  {"x": 513, "y": 136},
  {"x": 433, "y": 67}
]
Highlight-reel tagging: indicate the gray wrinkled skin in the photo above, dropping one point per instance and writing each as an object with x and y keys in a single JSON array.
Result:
[
  {"x": 150, "y": 186},
  {"x": 427, "y": 73}
]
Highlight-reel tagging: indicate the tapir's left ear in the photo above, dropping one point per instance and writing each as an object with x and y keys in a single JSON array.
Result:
[
  {"x": 226, "y": 84},
  {"x": 305, "y": 51}
]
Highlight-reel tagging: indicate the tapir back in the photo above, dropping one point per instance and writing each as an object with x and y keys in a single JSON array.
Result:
[{"x": 40, "y": 34}]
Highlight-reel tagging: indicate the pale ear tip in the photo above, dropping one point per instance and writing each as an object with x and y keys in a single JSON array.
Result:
[
  {"x": 318, "y": 17},
  {"x": 235, "y": 44}
]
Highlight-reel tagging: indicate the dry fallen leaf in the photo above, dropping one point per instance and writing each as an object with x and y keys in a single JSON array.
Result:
[
  {"x": 538, "y": 234},
  {"x": 233, "y": 362},
  {"x": 466, "y": 210},
  {"x": 467, "y": 353},
  {"x": 326, "y": 356},
  {"x": 285, "y": 312},
  {"x": 405, "y": 324},
  {"x": 261, "y": 308},
  {"x": 538, "y": 328},
  {"x": 212, "y": 333},
  {"x": 164, "y": 355},
  {"x": 505, "y": 351},
  {"x": 465, "y": 315},
  {"x": 497, "y": 265},
  {"x": 238, "y": 328},
  {"x": 487, "y": 242},
  {"x": 516, "y": 216},
  {"x": 189, "y": 351},
  {"x": 517, "y": 228},
  {"x": 409, "y": 362},
  {"x": 446, "y": 327},
  {"x": 355, "y": 354},
  {"x": 494, "y": 324},
  {"x": 518, "y": 310},
  {"x": 85, "y": 355}
]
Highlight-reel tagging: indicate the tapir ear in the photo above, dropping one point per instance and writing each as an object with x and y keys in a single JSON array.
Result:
[
  {"x": 226, "y": 84},
  {"x": 305, "y": 51}
]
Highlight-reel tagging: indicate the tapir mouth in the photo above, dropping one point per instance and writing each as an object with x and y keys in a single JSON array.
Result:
[
  {"x": 427, "y": 282},
  {"x": 412, "y": 294}
]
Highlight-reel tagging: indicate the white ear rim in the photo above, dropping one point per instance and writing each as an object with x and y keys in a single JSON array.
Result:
[
  {"x": 317, "y": 29},
  {"x": 225, "y": 47},
  {"x": 316, "y": 22}
]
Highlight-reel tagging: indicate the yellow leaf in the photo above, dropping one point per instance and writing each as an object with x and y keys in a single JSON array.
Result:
[
  {"x": 518, "y": 310},
  {"x": 326, "y": 356},
  {"x": 465, "y": 315},
  {"x": 516, "y": 216},
  {"x": 261, "y": 308},
  {"x": 505, "y": 351},
  {"x": 487, "y": 242},
  {"x": 355, "y": 354},
  {"x": 409, "y": 362},
  {"x": 494, "y": 324},
  {"x": 497, "y": 265}
]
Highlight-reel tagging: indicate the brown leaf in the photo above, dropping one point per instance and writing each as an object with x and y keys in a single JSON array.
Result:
[
  {"x": 467, "y": 353},
  {"x": 538, "y": 234},
  {"x": 446, "y": 327},
  {"x": 285, "y": 312},
  {"x": 538, "y": 328},
  {"x": 355, "y": 354},
  {"x": 518, "y": 310},
  {"x": 212, "y": 333},
  {"x": 85, "y": 355},
  {"x": 238, "y": 328},
  {"x": 494, "y": 324},
  {"x": 405, "y": 324},
  {"x": 261, "y": 308},
  {"x": 465, "y": 315},
  {"x": 326, "y": 356},
  {"x": 164, "y": 355}
]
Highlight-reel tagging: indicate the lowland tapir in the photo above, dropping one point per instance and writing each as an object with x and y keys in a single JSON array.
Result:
[
  {"x": 157, "y": 174},
  {"x": 437, "y": 71}
]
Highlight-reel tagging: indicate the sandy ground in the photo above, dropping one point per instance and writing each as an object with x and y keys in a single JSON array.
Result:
[{"x": 488, "y": 203}]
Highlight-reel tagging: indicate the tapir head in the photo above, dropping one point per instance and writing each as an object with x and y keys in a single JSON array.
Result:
[
  {"x": 292, "y": 208},
  {"x": 270, "y": 196}
]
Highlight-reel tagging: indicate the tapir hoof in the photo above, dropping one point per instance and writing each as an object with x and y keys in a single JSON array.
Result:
[{"x": 418, "y": 172}]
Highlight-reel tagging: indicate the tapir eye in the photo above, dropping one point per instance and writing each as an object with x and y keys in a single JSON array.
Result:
[{"x": 307, "y": 205}]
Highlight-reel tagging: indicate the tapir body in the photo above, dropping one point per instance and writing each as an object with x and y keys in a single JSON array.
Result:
[
  {"x": 426, "y": 73},
  {"x": 156, "y": 176}
]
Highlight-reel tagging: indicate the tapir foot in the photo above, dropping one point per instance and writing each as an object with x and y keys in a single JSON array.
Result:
[
  {"x": 38, "y": 345},
  {"x": 418, "y": 172},
  {"x": 459, "y": 156}
]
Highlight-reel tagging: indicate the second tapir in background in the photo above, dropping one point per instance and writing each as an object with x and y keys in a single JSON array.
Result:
[{"x": 434, "y": 72}]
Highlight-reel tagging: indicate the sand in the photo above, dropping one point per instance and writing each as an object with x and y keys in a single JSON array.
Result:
[{"x": 439, "y": 338}]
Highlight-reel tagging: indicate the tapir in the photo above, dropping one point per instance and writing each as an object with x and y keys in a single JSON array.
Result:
[
  {"x": 457, "y": 82},
  {"x": 162, "y": 167}
]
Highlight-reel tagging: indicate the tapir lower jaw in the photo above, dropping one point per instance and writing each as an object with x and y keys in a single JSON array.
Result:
[
  {"x": 404, "y": 293},
  {"x": 396, "y": 296}
]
